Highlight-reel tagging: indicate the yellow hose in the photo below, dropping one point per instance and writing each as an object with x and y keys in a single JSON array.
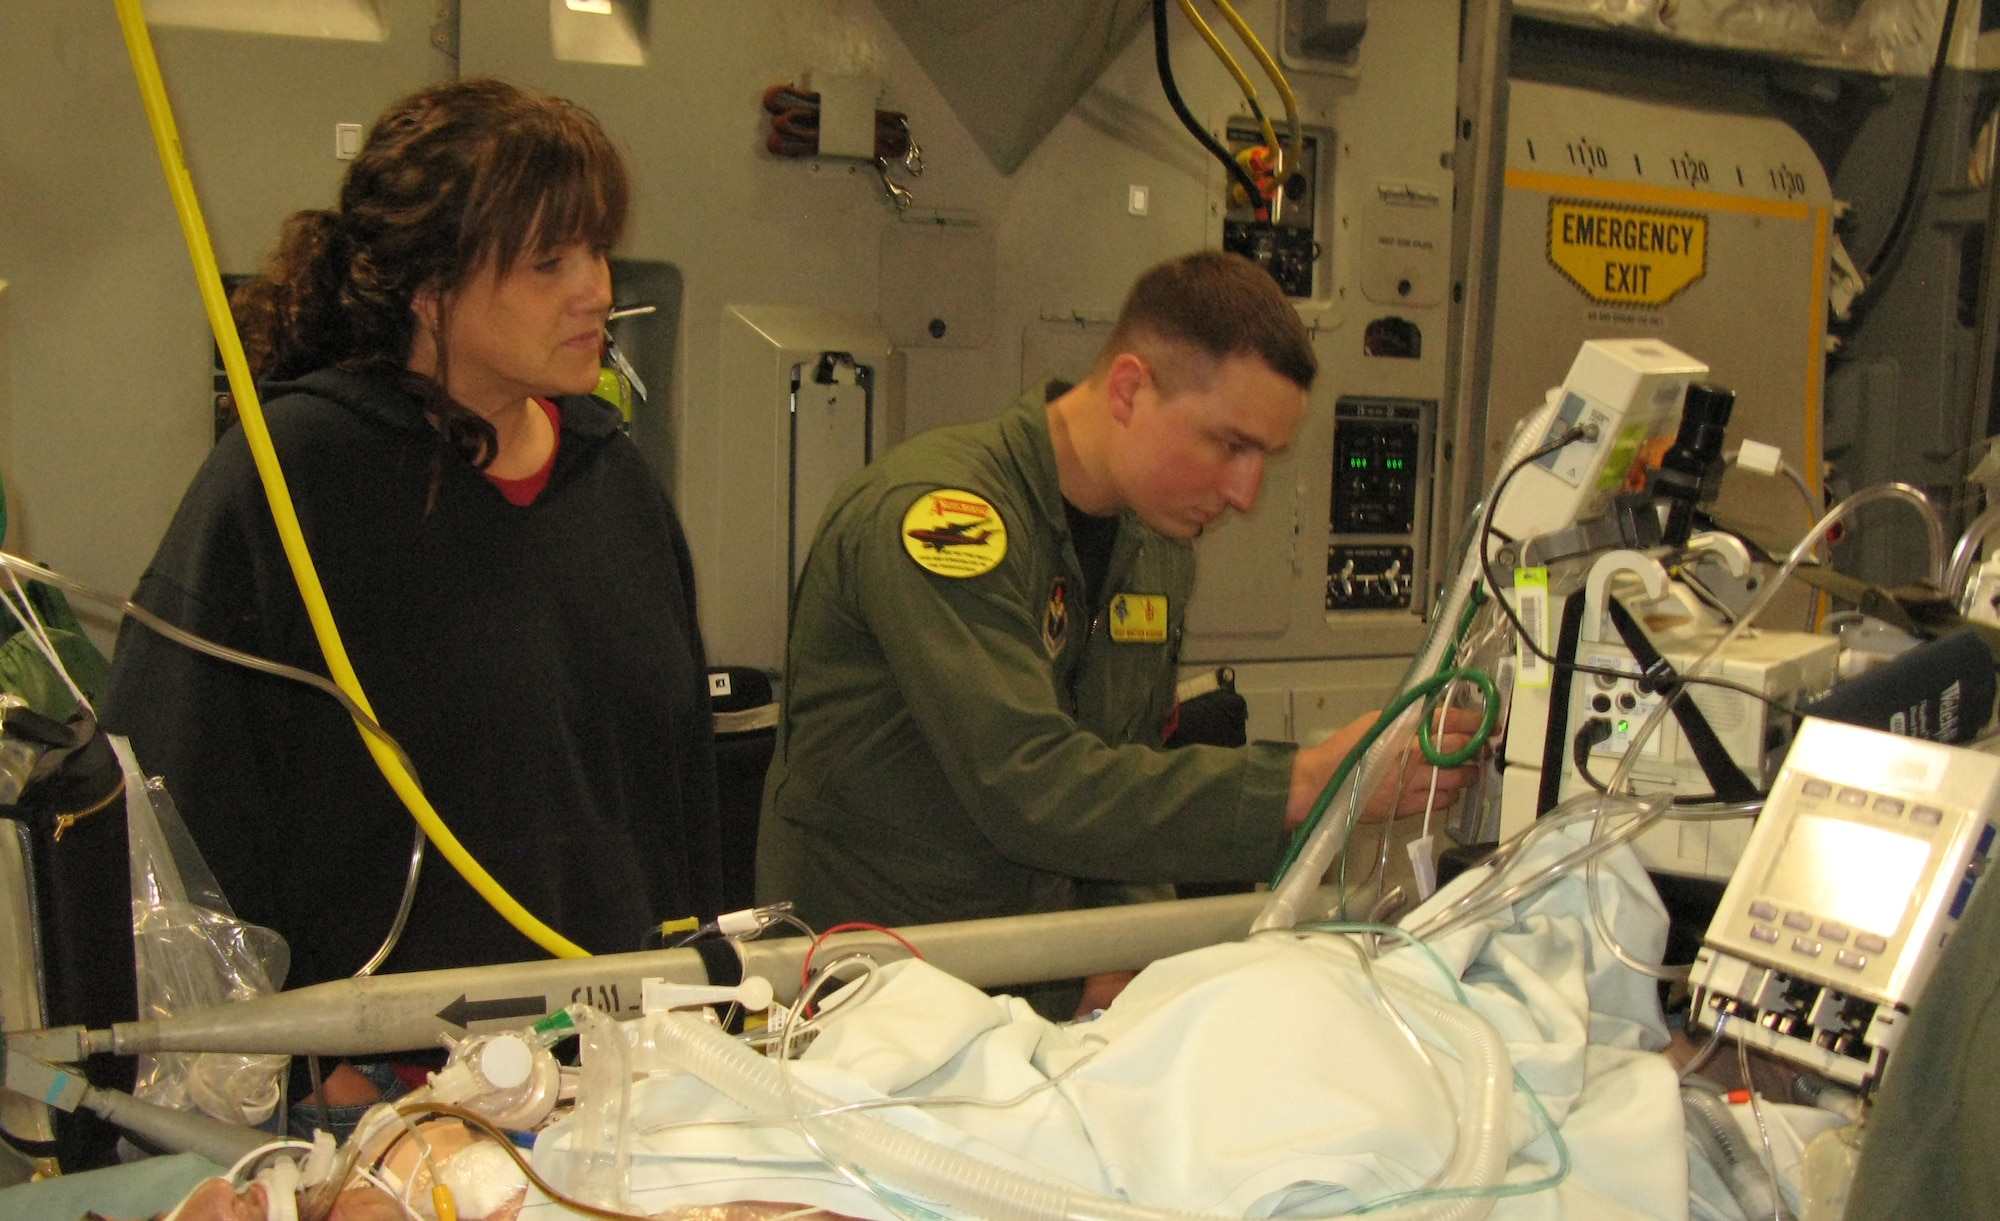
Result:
[
  {"x": 1287, "y": 161},
  {"x": 139, "y": 43},
  {"x": 1243, "y": 81}
]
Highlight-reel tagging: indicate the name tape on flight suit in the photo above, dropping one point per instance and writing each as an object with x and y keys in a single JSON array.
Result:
[
  {"x": 1622, "y": 255},
  {"x": 954, "y": 533},
  {"x": 1139, "y": 619}
]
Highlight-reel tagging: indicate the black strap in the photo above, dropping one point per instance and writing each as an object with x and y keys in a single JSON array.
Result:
[
  {"x": 1554, "y": 756},
  {"x": 1725, "y": 779},
  {"x": 719, "y": 957}
]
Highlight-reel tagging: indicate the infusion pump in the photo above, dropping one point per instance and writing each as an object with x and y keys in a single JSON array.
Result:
[{"x": 1868, "y": 850}]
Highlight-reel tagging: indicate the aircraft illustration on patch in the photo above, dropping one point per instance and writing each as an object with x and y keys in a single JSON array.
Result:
[{"x": 953, "y": 535}]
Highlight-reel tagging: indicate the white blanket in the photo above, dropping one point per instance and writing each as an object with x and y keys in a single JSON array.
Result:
[{"x": 1253, "y": 1079}]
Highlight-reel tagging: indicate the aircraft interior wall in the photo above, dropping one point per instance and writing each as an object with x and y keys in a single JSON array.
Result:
[{"x": 112, "y": 384}]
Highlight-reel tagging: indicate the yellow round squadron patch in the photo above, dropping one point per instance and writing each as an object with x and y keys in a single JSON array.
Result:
[{"x": 954, "y": 533}]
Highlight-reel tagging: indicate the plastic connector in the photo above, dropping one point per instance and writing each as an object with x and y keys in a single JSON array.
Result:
[
  {"x": 1759, "y": 457},
  {"x": 509, "y": 1078},
  {"x": 455, "y": 1082},
  {"x": 658, "y": 996},
  {"x": 745, "y": 923},
  {"x": 319, "y": 1163}
]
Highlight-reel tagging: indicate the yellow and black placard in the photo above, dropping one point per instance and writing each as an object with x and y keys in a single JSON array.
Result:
[
  {"x": 1139, "y": 619},
  {"x": 954, "y": 533},
  {"x": 1623, "y": 255}
]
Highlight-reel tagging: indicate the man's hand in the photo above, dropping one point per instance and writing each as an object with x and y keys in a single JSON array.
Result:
[{"x": 1313, "y": 766}]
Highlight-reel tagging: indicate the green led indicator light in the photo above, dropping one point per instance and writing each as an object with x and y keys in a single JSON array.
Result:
[{"x": 1624, "y": 727}]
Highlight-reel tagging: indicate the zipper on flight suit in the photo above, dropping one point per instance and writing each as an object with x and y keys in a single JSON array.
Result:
[{"x": 1112, "y": 570}]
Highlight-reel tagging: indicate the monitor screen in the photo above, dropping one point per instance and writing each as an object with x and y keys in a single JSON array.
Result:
[{"x": 1859, "y": 875}]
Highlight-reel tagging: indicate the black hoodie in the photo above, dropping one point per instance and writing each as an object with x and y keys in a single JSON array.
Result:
[{"x": 542, "y": 666}]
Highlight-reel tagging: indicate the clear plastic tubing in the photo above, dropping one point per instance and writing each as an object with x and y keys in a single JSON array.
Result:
[
  {"x": 924, "y": 1168},
  {"x": 1959, "y": 574},
  {"x": 1281, "y": 911},
  {"x": 1483, "y": 900}
]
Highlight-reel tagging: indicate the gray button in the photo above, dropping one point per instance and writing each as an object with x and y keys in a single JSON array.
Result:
[
  {"x": 1817, "y": 788},
  {"x": 1833, "y": 932},
  {"x": 1759, "y": 932},
  {"x": 1806, "y": 946},
  {"x": 1763, "y": 909},
  {"x": 1850, "y": 960},
  {"x": 1871, "y": 943},
  {"x": 1853, "y": 797},
  {"x": 1799, "y": 920},
  {"x": 1929, "y": 816},
  {"x": 1890, "y": 806}
]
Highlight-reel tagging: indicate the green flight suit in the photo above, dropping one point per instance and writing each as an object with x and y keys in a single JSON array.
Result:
[
  {"x": 1930, "y": 1144},
  {"x": 957, "y": 747}
]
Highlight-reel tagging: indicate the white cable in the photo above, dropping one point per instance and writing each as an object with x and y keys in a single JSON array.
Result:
[
  {"x": 1763, "y": 1133},
  {"x": 400, "y": 1198},
  {"x": 31, "y": 623}
]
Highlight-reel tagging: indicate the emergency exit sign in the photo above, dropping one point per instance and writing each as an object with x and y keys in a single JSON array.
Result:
[{"x": 1623, "y": 255}]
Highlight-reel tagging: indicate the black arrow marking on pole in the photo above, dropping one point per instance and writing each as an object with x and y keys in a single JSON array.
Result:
[{"x": 463, "y": 1013}]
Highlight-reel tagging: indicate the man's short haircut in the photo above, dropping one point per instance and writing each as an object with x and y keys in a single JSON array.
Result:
[{"x": 1215, "y": 305}]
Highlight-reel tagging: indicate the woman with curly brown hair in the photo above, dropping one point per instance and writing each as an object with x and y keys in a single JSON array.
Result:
[{"x": 510, "y": 580}]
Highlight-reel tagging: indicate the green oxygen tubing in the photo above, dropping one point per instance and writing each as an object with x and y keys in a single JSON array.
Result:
[{"x": 159, "y": 114}]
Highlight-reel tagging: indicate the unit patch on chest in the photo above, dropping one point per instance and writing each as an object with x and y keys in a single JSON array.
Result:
[
  {"x": 1055, "y": 618},
  {"x": 1139, "y": 618},
  {"x": 954, "y": 533}
]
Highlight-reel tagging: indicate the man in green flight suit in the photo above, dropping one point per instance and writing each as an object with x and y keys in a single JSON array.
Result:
[{"x": 984, "y": 637}]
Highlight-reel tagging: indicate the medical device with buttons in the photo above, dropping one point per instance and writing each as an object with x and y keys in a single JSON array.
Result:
[{"x": 1865, "y": 857}]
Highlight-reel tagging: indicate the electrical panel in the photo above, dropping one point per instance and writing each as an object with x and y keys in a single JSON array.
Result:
[
  {"x": 1380, "y": 455},
  {"x": 1287, "y": 246}
]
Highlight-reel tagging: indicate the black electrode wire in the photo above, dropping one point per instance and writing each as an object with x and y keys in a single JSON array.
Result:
[
  {"x": 1594, "y": 730},
  {"x": 1164, "y": 61},
  {"x": 1893, "y": 241},
  {"x": 1597, "y": 729},
  {"x": 1528, "y": 642}
]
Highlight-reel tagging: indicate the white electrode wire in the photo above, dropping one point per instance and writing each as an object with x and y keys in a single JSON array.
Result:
[
  {"x": 931, "y": 1171},
  {"x": 201, "y": 644},
  {"x": 1290, "y": 895},
  {"x": 799, "y": 1114},
  {"x": 1409, "y": 1034},
  {"x": 38, "y": 635},
  {"x": 1437, "y": 735},
  {"x": 1281, "y": 911},
  {"x": 13, "y": 564},
  {"x": 401, "y": 1199},
  {"x": 928, "y": 1102},
  {"x": 1486, "y": 632},
  {"x": 1620, "y": 778}
]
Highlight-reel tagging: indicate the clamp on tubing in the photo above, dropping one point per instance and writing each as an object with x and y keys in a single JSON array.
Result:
[{"x": 159, "y": 115}]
